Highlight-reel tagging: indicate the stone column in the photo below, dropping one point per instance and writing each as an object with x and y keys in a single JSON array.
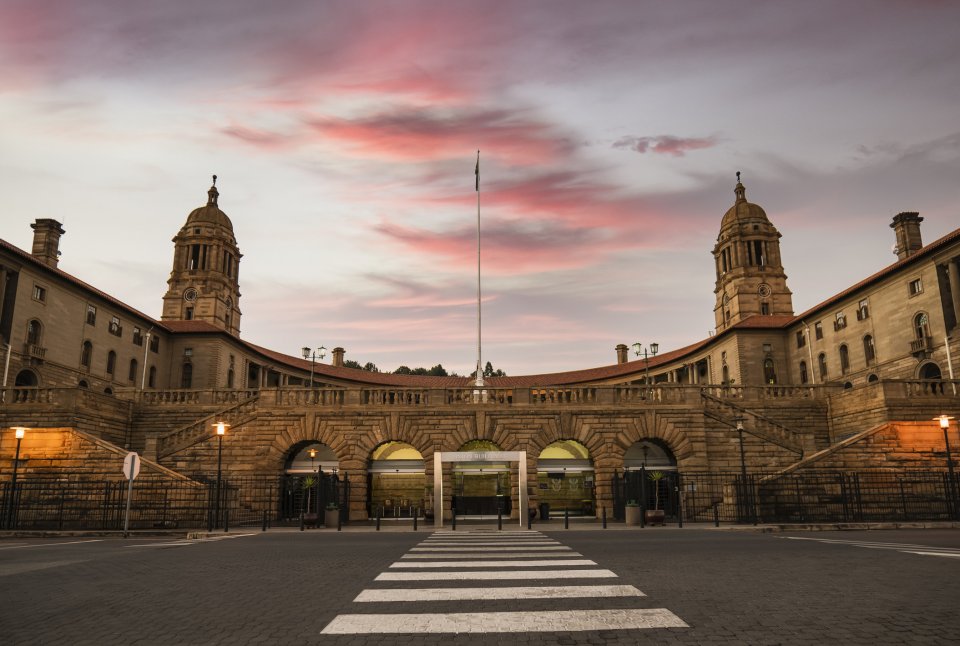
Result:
[{"x": 953, "y": 270}]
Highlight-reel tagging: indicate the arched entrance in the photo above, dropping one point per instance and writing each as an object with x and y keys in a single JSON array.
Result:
[
  {"x": 310, "y": 482},
  {"x": 931, "y": 371},
  {"x": 565, "y": 479},
  {"x": 26, "y": 378},
  {"x": 481, "y": 488},
  {"x": 649, "y": 478},
  {"x": 396, "y": 481}
]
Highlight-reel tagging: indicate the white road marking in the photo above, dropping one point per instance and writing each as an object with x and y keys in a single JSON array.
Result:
[
  {"x": 517, "y": 563},
  {"x": 530, "y": 592},
  {"x": 495, "y": 555},
  {"x": 6, "y": 569},
  {"x": 465, "y": 548},
  {"x": 192, "y": 541},
  {"x": 492, "y": 576},
  {"x": 953, "y": 555},
  {"x": 482, "y": 543},
  {"x": 20, "y": 547},
  {"x": 505, "y": 622},
  {"x": 905, "y": 548}
]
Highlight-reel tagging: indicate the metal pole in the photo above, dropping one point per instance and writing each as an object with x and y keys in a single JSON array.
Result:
[
  {"x": 216, "y": 502},
  {"x": 126, "y": 518},
  {"x": 603, "y": 515},
  {"x": 743, "y": 472},
  {"x": 13, "y": 488},
  {"x": 953, "y": 482},
  {"x": 479, "y": 381},
  {"x": 566, "y": 518},
  {"x": 313, "y": 358}
]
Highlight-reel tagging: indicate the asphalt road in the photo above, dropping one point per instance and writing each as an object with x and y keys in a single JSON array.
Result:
[{"x": 722, "y": 587}]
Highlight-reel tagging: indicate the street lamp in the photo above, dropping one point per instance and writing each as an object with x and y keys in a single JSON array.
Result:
[
  {"x": 945, "y": 426},
  {"x": 313, "y": 355},
  {"x": 639, "y": 350},
  {"x": 19, "y": 432},
  {"x": 743, "y": 464},
  {"x": 313, "y": 454},
  {"x": 221, "y": 431}
]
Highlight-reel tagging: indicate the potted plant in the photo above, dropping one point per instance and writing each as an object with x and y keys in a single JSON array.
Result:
[
  {"x": 656, "y": 515},
  {"x": 310, "y": 517},
  {"x": 331, "y": 515},
  {"x": 632, "y": 512}
]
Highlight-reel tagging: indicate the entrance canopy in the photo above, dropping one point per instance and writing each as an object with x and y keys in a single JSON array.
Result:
[{"x": 478, "y": 457}]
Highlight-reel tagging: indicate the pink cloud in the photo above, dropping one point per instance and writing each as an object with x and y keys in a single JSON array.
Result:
[{"x": 665, "y": 144}]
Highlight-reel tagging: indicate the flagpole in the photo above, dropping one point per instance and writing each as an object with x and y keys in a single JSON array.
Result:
[{"x": 479, "y": 381}]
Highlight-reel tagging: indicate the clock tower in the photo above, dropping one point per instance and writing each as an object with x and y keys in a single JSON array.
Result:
[
  {"x": 750, "y": 276},
  {"x": 204, "y": 283}
]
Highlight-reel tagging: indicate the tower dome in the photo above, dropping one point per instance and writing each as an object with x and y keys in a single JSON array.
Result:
[
  {"x": 742, "y": 212},
  {"x": 210, "y": 213}
]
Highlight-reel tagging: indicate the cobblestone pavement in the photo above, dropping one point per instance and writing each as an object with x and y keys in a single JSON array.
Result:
[{"x": 691, "y": 586}]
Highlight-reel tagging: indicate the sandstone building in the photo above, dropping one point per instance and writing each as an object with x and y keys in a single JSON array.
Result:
[{"x": 853, "y": 382}]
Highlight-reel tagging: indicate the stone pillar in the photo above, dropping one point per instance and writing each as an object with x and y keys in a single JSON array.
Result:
[{"x": 953, "y": 271}]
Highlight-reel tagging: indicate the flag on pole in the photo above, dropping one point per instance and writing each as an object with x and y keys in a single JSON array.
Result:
[{"x": 477, "y": 171}]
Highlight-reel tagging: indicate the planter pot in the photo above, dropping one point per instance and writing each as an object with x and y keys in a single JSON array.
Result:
[
  {"x": 310, "y": 520},
  {"x": 654, "y": 516},
  {"x": 632, "y": 515},
  {"x": 330, "y": 517}
]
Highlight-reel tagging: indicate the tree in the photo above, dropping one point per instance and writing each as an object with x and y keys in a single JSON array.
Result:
[
  {"x": 488, "y": 371},
  {"x": 436, "y": 371},
  {"x": 403, "y": 370},
  {"x": 350, "y": 363},
  {"x": 371, "y": 367}
]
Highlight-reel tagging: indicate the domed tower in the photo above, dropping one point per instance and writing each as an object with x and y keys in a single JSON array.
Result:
[
  {"x": 204, "y": 283},
  {"x": 750, "y": 277}
]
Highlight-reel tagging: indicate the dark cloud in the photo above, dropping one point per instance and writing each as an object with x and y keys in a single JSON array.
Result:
[{"x": 665, "y": 144}]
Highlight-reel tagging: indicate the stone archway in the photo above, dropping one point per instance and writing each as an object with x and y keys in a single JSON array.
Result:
[
  {"x": 396, "y": 481},
  {"x": 566, "y": 479},
  {"x": 26, "y": 378}
]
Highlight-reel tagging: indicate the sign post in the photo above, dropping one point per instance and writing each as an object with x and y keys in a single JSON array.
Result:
[{"x": 131, "y": 469}]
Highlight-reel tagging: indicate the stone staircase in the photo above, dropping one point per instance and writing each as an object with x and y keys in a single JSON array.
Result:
[
  {"x": 756, "y": 424},
  {"x": 235, "y": 415}
]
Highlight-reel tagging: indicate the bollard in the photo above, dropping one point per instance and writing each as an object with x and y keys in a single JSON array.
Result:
[
  {"x": 226, "y": 519},
  {"x": 378, "y": 519},
  {"x": 603, "y": 515},
  {"x": 301, "y": 521},
  {"x": 529, "y": 520},
  {"x": 716, "y": 516},
  {"x": 499, "y": 520},
  {"x": 453, "y": 525},
  {"x": 263, "y": 527},
  {"x": 339, "y": 520},
  {"x": 566, "y": 519},
  {"x": 416, "y": 513}
]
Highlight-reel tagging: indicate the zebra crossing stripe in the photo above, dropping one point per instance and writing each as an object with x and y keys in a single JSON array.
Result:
[
  {"x": 560, "y": 548},
  {"x": 493, "y": 576},
  {"x": 487, "y": 543},
  {"x": 524, "y": 563},
  {"x": 524, "y": 592},
  {"x": 505, "y": 622},
  {"x": 495, "y": 555}
]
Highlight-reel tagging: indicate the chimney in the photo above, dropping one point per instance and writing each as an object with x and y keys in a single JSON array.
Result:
[
  {"x": 338, "y": 357},
  {"x": 46, "y": 241},
  {"x": 906, "y": 225},
  {"x": 622, "y": 351}
]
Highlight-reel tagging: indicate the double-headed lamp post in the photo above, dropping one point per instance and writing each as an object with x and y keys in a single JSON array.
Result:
[
  {"x": 646, "y": 353},
  {"x": 19, "y": 432},
  {"x": 945, "y": 426},
  {"x": 314, "y": 356},
  {"x": 221, "y": 431}
]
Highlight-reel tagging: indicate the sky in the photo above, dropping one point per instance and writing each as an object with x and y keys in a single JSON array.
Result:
[{"x": 345, "y": 137}]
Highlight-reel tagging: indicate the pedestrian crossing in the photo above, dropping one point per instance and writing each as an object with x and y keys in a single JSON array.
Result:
[{"x": 495, "y": 567}]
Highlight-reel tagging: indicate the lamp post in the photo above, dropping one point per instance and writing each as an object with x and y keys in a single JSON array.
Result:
[
  {"x": 945, "y": 426},
  {"x": 313, "y": 455},
  {"x": 313, "y": 355},
  {"x": 646, "y": 353},
  {"x": 221, "y": 431},
  {"x": 743, "y": 465},
  {"x": 19, "y": 432}
]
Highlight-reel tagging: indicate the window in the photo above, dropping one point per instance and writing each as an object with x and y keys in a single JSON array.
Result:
[
  {"x": 137, "y": 336},
  {"x": 801, "y": 339},
  {"x": 767, "y": 347},
  {"x": 154, "y": 343},
  {"x": 915, "y": 287},
  {"x": 39, "y": 293},
  {"x": 186, "y": 375},
  {"x": 869, "y": 351},
  {"x": 188, "y": 314},
  {"x": 769, "y": 372},
  {"x": 85, "y": 354},
  {"x": 803, "y": 372},
  {"x": 230, "y": 378},
  {"x": 132, "y": 375},
  {"x": 840, "y": 322},
  {"x": 91, "y": 315},
  {"x": 34, "y": 332},
  {"x": 152, "y": 381},
  {"x": 765, "y": 308},
  {"x": 863, "y": 310},
  {"x": 844, "y": 359},
  {"x": 921, "y": 326},
  {"x": 115, "y": 328},
  {"x": 111, "y": 362},
  {"x": 822, "y": 365},
  {"x": 818, "y": 330}
]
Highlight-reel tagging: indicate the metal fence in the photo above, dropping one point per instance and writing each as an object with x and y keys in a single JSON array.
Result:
[
  {"x": 800, "y": 497},
  {"x": 57, "y": 504}
]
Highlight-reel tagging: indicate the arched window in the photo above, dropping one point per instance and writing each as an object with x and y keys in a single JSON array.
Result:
[
  {"x": 26, "y": 378},
  {"x": 152, "y": 380},
  {"x": 186, "y": 375},
  {"x": 34, "y": 332},
  {"x": 230, "y": 378},
  {"x": 921, "y": 326},
  {"x": 769, "y": 372},
  {"x": 844, "y": 359},
  {"x": 869, "y": 351},
  {"x": 85, "y": 354},
  {"x": 133, "y": 371},
  {"x": 822, "y": 365},
  {"x": 111, "y": 362},
  {"x": 803, "y": 372}
]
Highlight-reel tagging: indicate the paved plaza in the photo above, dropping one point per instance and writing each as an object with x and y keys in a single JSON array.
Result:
[{"x": 478, "y": 585}]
